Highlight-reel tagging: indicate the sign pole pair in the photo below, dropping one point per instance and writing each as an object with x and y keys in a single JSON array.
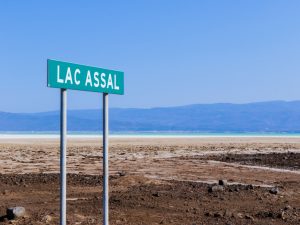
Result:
[
  {"x": 63, "y": 158},
  {"x": 65, "y": 76}
]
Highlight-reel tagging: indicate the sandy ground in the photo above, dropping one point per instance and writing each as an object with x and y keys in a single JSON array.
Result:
[{"x": 155, "y": 180}]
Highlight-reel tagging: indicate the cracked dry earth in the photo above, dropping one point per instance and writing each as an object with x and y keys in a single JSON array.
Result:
[{"x": 155, "y": 180}]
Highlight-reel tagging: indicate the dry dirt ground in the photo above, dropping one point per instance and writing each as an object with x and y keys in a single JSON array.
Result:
[{"x": 155, "y": 181}]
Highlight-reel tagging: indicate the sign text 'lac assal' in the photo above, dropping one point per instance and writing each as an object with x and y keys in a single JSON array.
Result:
[{"x": 85, "y": 78}]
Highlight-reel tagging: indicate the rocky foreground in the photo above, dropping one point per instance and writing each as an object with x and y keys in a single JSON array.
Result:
[{"x": 183, "y": 182}]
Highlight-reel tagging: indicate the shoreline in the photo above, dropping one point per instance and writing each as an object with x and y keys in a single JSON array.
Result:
[{"x": 147, "y": 136}]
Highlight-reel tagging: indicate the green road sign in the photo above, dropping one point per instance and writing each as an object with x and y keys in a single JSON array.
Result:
[{"x": 85, "y": 78}]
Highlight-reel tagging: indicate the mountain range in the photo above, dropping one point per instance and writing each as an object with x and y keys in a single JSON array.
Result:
[{"x": 275, "y": 116}]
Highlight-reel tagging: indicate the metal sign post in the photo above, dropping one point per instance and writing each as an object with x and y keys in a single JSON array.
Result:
[
  {"x": 105, "y": 160},
  {"x": 63, "y": 158},
  {"x": 65, "y": 76}
]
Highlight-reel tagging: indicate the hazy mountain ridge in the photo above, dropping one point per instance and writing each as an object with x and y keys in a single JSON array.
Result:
[{"x": 276, "y": 116}]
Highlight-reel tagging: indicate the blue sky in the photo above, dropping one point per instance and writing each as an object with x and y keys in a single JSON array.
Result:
[{"x": 172, "y": 52}]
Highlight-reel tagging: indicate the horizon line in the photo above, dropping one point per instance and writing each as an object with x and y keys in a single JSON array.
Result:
[{"x": 162, "y": 107}]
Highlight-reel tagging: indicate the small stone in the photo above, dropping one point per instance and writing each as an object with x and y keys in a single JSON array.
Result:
[
  {"x": 216, "y": 188},
  {"x": 223, "y": 182},
  {"x": 156, "y": 194},
  {"x": 208, "y": 214},
  {"x": 249, "y": 187},
  {"x": 249, "y": 217},
  {"x": 5, "y": 192},
  {"x": 274, "y": 190},
  {"x": 14, "y": 213},
  {"x": 218, "y": 215},
  {"x": 287, "y": 207},
  {"x": 122, "y": 173},
  {"x": 281, "y": 215},
  {"x": 47, "y": 219},
  {"x": 239, "y": 215},
  {"x": 91, "y": 221}
]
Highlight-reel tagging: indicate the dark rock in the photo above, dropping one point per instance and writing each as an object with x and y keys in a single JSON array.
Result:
[
  {"x": 249, "y": 187},
  {"x": 266, "y": 214},
  {"x": 223, "y": 182},
  {"x": 249, "y": 217},
  {"x": 208, "y": 214},
  {"x": 281, "y": 215},
  {"x": 274, "y": 190},
  {"x": 156, "y": 194},
  {"x": 218, "y": 215}
]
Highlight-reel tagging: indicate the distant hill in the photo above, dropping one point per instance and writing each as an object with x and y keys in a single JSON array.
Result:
[{"x": 276, "y": 116}]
